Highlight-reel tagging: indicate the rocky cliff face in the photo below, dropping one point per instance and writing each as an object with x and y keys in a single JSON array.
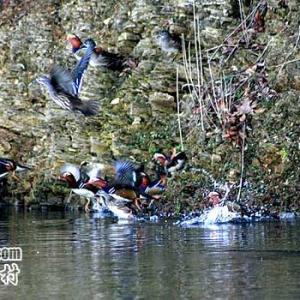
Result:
[{"x": 231, "y": 98}]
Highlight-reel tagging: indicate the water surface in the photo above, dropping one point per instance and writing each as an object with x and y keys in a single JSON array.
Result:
[{"x": 71, "y": 255}]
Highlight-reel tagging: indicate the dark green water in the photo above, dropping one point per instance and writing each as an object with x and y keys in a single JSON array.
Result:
[{"x": 76, "y": 256}]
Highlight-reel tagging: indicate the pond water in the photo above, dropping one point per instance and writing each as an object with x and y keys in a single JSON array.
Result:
[{"x": 71, "y": 255}]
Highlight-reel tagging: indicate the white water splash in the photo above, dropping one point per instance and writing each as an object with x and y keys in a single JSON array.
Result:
[{"x": 216, "y": 215}]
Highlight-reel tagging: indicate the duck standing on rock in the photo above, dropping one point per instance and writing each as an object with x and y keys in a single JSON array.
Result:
[
  {"x": 172, "y": 164},
  {"x": 101, "y": 57},
  {"x": 64, "y": 85}
]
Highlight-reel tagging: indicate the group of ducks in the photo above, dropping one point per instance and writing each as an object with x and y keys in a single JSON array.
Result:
[
  {"x": 129, "y": 191},
  {"x": 64, "y": 85}
]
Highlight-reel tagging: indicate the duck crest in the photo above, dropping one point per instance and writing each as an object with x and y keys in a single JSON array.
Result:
[
  {"x": 145, "y": 180},
  {"x": 69, "y": 178},
  {"x": 99, "y": 49},
  {"x": 72, "y": 169},
  {"x": 161, "y": 158},
  {"x": 75, "y": 42}
]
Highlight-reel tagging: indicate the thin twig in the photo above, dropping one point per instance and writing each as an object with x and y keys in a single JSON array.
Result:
[
  {"x": 233, "y": 32},
  {"x": 242, "y": 15},
  {"x": 287, "y": 62},
  {"x": 243, "y": 163},
  {"x": 178, "y": 108},
  {"x": 199, "y": 66},
  {"x": 265, "y": 50}
]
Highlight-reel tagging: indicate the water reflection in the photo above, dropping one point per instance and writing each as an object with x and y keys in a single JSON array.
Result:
[{"x": 74, "y": 256}]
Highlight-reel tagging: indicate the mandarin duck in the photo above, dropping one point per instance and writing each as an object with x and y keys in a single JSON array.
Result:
[
  {"x": 152, "y": 189},
  {"x": 213, "y": 198},
  {"x": 127, "y": 183},
  {"x": 168, "y": 42},
  {"x": 123, "y": 189},
  {"x": 145, "y": 191},
  {"x": 172, "y": 164},
  {"x": 118, "y": 205},
  {"x": 101, "y": 57},
  {"x": 64, "y": 85},
  {"x": 100, "y": 184},
  {"x": 8, "y": 165},
  {"x": 77, "y": 178}
]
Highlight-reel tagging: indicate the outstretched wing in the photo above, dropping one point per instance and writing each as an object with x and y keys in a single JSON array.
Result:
[
  {"x": 62, "y": 80},
  {"x": 125, "y": 174},
  {"x": 82, "y": 65}
]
